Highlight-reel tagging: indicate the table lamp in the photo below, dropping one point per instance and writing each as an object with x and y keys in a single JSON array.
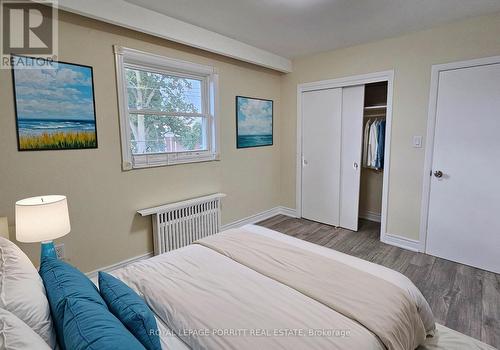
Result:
[
  {"x": 42, "y": 219},
  {"x": 4, "y": 227}
]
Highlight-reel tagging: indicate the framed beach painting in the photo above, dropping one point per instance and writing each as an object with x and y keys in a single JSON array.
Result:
[
  {"x": 254, "y": 122},
  {"x": 55, "y": 107}
]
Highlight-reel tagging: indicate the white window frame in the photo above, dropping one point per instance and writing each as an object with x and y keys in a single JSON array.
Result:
[{"x": 135, "y": 59}]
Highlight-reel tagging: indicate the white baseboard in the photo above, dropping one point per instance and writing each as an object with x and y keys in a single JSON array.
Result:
[
  {"x": 110, "y": 268},
  {"x": 401, "y": 242},
  {"x": 252, "y": 219},
  {"x": 288, "y": 211},
  {"x": 371, "y": 215}
]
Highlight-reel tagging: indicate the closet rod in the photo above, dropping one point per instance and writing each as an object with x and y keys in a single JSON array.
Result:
[
  {"x": 375, "y": 115},
  {"x": 375, "y": 107}
]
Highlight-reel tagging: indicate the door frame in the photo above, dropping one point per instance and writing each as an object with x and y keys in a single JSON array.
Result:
[
  {"x": 431, "y": 126},
  {"x": 341, "y": 83}
]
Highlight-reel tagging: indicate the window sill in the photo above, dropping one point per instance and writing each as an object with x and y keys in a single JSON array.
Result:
[{"x": 161, "y": 160}]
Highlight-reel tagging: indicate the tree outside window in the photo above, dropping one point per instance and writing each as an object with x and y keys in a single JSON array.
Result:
[{"x": 165, "y": 112}]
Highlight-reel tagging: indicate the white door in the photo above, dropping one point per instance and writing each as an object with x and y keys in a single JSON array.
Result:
[
  {"x": 321, "y": 130},
  {"x": 350, "y": 163},
  {"x": 464, "y": 206}
]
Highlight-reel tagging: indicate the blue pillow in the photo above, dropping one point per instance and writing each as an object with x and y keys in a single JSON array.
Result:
[
  {"x": 131, "y": 310},
  {"x": 63, "y": 281},
  {"x": 88, "y": 325}
]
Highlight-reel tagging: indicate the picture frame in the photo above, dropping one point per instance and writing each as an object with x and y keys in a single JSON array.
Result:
[
  {"x": 254, "y": 122},
  {"x": 54, "y": 107}
]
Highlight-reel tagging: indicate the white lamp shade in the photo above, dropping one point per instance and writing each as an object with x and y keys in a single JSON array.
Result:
[
  {"x": 40, "y": 219},
  {"x": 4, "y": 227}
]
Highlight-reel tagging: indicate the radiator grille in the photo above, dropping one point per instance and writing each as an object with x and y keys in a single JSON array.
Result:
[{"x": 176, "y": 225}]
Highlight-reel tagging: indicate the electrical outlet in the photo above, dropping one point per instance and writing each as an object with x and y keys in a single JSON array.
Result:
[{"x": 60, "y": 251}]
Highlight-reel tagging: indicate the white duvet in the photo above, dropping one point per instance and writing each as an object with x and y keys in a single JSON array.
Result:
[{"x": 244, "y": 299}]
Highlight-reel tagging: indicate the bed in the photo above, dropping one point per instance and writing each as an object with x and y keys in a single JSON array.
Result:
[
  {"x": 246, "y": 288},
  {"x": 254, "y": 288}
]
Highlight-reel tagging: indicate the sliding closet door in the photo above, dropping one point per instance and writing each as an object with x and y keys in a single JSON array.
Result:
[
  {"x": 350, "y": 166},
  {"x": 321, "y": 129}
]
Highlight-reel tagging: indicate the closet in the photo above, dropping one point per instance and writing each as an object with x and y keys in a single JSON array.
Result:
[
  {"x": 336, "y": 183},
  {"x": 372, "y": 163}
]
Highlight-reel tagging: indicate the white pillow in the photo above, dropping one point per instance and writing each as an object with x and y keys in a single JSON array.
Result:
[
  {"x": 16, "y": 335},
  {"x": 22, "y": 291}
]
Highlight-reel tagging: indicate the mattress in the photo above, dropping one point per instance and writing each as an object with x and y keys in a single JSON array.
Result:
[{"x": 180, "y": 299}]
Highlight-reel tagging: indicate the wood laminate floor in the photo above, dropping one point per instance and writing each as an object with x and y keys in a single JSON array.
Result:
[{"x": 463, "y": 298}]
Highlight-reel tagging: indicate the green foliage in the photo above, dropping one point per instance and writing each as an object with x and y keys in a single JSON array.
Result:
[{"x": 166, "y": 93}]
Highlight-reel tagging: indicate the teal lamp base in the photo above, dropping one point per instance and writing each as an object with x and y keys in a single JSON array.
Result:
[{"x": 48, "y": 250}]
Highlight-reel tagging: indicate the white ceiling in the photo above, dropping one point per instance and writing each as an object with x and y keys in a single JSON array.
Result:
[{"x": 292, "y": 28}]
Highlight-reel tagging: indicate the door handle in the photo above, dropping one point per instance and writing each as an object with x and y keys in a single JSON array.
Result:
[
  {"x": 438, "y": 174},
  {"x": 355, "y": 165}
]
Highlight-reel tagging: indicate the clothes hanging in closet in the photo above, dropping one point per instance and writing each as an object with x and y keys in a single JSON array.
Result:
[
  {"x": 372, "y": 145},
  {"x": 366, "y": 135},
  {"x": 379, "y": 160},
  {"x": 374, "y": 142}
]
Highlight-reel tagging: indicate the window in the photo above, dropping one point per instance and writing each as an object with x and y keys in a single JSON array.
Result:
[{"x": 168, "y": 111}]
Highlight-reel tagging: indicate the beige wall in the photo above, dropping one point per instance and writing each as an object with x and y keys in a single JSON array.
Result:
[
  {"x": 370, "y": 192},
  {"x": 411, "y": 57},
  {"x": 102, "y": 198}
]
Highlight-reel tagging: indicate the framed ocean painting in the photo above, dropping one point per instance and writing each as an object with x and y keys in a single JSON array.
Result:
[
  {"x": 254, "y": 122},
  {"x": 55, "y": 107}
]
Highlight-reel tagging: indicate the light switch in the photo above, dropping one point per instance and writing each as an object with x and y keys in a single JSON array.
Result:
[{"x": 417, "y": 141}]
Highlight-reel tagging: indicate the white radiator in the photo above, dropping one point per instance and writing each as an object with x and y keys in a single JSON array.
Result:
[{"x": 176, "y": 225}]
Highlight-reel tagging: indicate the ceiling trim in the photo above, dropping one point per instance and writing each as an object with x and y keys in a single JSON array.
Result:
[{"x": 124, "y": 14}]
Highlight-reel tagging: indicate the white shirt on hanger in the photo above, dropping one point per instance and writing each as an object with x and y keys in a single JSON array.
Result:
[
  {"x": 365, "y": 143},
  {"x": 372, "y": 144}
]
